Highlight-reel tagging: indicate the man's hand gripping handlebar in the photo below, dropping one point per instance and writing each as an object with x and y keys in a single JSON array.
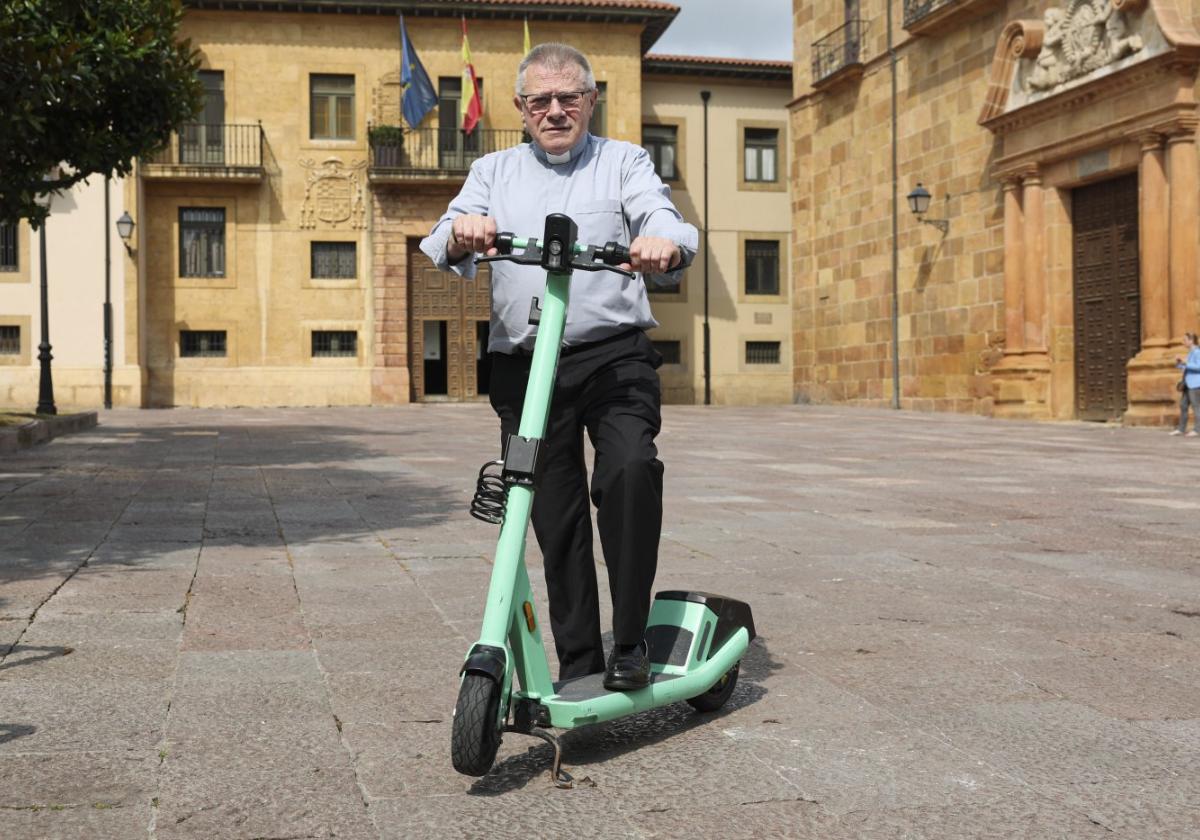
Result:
[{"x": 558, "y": 251}]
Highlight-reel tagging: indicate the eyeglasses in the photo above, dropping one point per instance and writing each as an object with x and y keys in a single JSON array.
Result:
[{"x": 539, "y": 103}]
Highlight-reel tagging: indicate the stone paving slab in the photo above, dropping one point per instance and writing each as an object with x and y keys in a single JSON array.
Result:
[{"x": 246, "y": 624}]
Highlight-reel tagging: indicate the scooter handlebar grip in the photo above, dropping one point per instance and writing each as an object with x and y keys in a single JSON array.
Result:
[
  {"x": 504, "y": 243},
  {"x": 615, "y": 254}
]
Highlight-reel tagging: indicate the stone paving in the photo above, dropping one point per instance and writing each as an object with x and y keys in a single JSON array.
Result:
[{"x": 247, "y": 624}]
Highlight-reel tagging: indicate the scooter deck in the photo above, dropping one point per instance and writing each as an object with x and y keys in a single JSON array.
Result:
[{"x": 579, "y": 689}]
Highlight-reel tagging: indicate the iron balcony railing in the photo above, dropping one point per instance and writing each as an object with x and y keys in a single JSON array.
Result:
[
  {"x": 914, "y": 10},
  {"x": 216, "y": 145},
  {"x": 841, "y": 48},
  {"x": 438, "y": 150}
]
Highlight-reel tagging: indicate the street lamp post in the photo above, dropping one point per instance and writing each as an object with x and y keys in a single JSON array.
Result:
[{"x": 46, "y": 382}]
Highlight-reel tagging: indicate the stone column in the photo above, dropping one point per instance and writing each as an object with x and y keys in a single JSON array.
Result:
[
  {"x": 1034, "y": 249},
  {"x": 1014, "y": 263},
  {"x": 1153, "y": 245},
  {"x": 1184, "y": 211}
]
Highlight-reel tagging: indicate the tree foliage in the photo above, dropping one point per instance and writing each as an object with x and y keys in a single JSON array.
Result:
[{"x": 89, "y": 84}]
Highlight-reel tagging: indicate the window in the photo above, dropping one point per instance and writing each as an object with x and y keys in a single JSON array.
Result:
[
  {"x": 762, "y": 352},
  {"x": 8, "y": 247},
  {"x": 762, "y": 267},
  {"x": 660, "y": 142},
  {"x": 334, "y": 260},
  {"x": 328, "y": 343},
  {"x": 203, "y": 141},
  {"x": 10, "y": 341},
  {"x": 456, "y": 150},
  {"x": 202, "y": 343},
  {"x": 761, "y": 153},
  {"x": 201, "y": 241},
  {"x": 599, "y": 124},
  {"x": 669, "y": 350},
  {"x": 331, "y": 107}
]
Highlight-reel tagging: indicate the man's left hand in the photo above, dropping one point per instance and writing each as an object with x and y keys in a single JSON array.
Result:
[{"x": 653, "y": 255}]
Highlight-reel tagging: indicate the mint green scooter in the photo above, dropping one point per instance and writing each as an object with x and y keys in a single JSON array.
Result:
[{"x": 696, "y": 640}]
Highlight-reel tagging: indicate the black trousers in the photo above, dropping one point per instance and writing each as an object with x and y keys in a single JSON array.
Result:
[{"x": 611, "y": 389}]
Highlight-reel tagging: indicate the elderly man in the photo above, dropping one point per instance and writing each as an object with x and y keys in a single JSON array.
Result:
[{"x": 607, "y": 380}]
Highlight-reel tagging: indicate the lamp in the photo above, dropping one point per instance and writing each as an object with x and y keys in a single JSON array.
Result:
[
  {"x": 45, "y": 403},
  {"x": 125, "y": 227},
  {"x": 918, "y": 203}
]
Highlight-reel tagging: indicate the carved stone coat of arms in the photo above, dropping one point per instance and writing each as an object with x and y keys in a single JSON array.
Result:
[{"x": 333, "y": 194}]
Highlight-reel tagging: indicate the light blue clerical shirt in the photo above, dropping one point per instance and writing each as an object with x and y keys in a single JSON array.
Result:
[{"x": 609, "y": 188}]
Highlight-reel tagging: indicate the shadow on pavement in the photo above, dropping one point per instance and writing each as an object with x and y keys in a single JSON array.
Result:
[{"x": 129, "y": 494}]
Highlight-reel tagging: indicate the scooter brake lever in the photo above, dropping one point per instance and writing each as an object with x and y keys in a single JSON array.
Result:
[
  {"x": 514, "y": 258},
  {"x": 603, "y": 267}
]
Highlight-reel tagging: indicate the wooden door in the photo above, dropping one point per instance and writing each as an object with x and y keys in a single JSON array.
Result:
[
  {"x": 1107, "y": 301},
  {"x": 444, "y": 311}
]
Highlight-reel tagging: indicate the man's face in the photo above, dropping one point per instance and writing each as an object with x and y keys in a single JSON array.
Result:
[{"x": 555, "y": 128}]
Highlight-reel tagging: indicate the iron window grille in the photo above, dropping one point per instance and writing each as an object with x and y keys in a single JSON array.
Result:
[
  {"x": 762, "y": 267},
  {"x": 8, "y": 247},
  {"x": 331, "y": 100},
  {"x": 202, "y": 343},
  {"x": 762, "y": 151},
  {"x": 201, "y": 241},
  {"x": 10, "y": 341},
  {"x": 838, "y": 50},
  {"x": 334, "y": 343},
  {"x": 334, "y": 260},
  {"x": 762, "y": 352},
  {"x": 670, "y": 351},
  {"x": 660, "y": 141}
]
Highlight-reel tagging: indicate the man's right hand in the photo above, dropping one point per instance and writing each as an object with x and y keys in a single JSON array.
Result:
[{"x": 471, "y": 234}]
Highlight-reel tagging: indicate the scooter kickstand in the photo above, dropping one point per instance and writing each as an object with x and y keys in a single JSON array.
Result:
[{"x": 561, "y": 778}]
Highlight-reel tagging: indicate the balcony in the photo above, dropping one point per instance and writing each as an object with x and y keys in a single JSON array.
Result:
[
  {"x": 435, "y": 154},
  {"x": 838, "y": 56},
  {"x": 922, "y": 17},
  {"x": 205, "y": 152}
]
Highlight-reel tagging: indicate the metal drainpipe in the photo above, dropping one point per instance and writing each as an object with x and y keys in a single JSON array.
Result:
[
  {"x": 891, "y": 48},
  {"x": 107, "y": 298},
  {"x": 704, "y": 95}
]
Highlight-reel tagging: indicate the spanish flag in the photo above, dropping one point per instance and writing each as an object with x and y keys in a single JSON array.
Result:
[{"x": 472, "y": 103}]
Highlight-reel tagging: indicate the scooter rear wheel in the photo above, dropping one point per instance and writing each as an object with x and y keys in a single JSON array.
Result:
[
  {"x": 475, "y": 734},
  {"x": 716, "y": 696}
]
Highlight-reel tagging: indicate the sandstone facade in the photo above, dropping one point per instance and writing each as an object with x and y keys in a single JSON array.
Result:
[{"x": 1005, "y": 115}]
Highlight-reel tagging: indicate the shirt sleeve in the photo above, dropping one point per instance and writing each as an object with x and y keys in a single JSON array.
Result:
[
  {"x": 646, "y": 201},
  {"x": 472, "y": 198}
]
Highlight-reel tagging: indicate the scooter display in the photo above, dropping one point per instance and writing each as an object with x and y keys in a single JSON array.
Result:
[{"x": 696, "y": 639}]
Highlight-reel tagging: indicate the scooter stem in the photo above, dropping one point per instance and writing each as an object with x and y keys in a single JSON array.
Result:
[{"x": 508, "y": 573}]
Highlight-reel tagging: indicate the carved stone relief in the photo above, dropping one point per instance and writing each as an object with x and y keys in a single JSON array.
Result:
[
  {"x": 1080, "y": 38},
  {"x": 333, "y": 194}
]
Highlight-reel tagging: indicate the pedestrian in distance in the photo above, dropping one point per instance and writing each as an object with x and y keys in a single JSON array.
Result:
[
  {"x": 1189, "y": 386},
  {"x": 607, "y": 381}
]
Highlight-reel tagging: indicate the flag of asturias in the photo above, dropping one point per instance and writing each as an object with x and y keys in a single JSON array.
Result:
[
  {"x": 419, "y": 96},
  {"x": 472, "y": 102}
]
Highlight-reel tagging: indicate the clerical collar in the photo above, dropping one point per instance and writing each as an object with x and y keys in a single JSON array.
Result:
[{"x": 568, "y": 156}]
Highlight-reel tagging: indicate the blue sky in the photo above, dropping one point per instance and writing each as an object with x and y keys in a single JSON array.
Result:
[{"x": 731, "y": 29}]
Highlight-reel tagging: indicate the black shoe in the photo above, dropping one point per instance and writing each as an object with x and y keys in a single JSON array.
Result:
[{"x": 628, "y": 668}]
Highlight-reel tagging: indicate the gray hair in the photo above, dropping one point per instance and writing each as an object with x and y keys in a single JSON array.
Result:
[{"x": 555, "y": 57}]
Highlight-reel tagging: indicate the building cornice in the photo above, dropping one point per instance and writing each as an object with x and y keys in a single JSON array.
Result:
[
  {"x": 654, "y": 17},
  {"x": 736, "y": 68}
]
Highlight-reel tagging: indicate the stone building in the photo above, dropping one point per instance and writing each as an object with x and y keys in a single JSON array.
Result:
[
  {"x": 274, "y": 257},
  {"x": 1058, "y": 143}
]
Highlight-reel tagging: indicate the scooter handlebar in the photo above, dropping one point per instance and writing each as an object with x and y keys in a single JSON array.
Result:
[{"x": 607, "y": 257}]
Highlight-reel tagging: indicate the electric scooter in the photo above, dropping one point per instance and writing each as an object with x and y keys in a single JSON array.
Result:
[{"x": 696, "y": 639}]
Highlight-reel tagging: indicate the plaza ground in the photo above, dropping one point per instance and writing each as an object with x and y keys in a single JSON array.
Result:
[{"x": 248, "y": 624}]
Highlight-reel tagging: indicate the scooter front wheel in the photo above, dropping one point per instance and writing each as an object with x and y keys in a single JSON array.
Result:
[
  {"x": 475, "y": 734},
  {"x": 716, "y": 696}
]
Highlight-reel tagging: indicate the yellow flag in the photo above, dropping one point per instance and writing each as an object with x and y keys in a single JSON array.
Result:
[{"x": 527, "y": 46}]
